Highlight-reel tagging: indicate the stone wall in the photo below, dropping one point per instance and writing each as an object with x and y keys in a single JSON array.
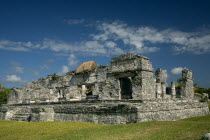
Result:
[
  {"x": 124, "y": 92},
  {"x": 187, "y": 90},
  {"x": 106, "y": 112},
  {"x": 129, "y": 76}
]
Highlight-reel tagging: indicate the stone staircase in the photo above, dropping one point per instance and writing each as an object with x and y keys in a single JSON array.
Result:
[{"x": 22, "y": 115}]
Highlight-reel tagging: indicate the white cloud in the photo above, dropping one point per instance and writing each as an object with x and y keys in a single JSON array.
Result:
[
  {"x": 94, "y": 47},
  {"x": 116, "y": 38},
  {"x": 72, "y": 60},
  {"x": 18, "y": 69},
  {"x": 132, "y": 37},
  {"x": 13, "y": 78},
  {"x": 140, "y": 39},
  {"x": 177, "y": 70},
  {"x": 64, "y": 70},
  {"x": 87, "y": 47},
  {"x": 110, "y": 44},
  {"x": 15, "y": 46}
]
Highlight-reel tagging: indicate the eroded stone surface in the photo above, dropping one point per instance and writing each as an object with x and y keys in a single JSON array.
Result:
[
  {"x": 109, "y": 112},
  {"x": 124, "y": 92}
]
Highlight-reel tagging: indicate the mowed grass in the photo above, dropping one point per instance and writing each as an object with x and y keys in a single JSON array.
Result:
[{"x": 191, "y": 128}]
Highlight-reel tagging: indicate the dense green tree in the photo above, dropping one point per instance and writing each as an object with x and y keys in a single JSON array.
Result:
[{"x": 3, "y": 96}]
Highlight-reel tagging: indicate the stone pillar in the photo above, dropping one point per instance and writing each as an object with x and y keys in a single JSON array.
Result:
[
  {"x": 161, "y": 77},
  {"x": 143, "y": 85},
  {"x": 187, "y": 90},
  {"x": 173, "y": 90},
  {"x": 163, "y": 88},
  {"x": 158, "y": 90},
  {"x": 83, "y": 92},
  {"x": 67, "y": 91}
]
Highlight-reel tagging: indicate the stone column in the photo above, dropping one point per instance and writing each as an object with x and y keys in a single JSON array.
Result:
[
  {"x": 158, "y": 90},
  {"x": 173, "y": 90},
  {"x": 163, "y": 88},
  {"x": 83, "y": 92},
  {"x": 161, "y": 77},
  {"x": 143, "y": 85},
  {"x": 187, "y": 90}
]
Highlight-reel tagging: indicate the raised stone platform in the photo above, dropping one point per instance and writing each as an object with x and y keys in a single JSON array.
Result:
[
  {"x": 124, "y": 92},
  {"x": 106, "y": 111}
]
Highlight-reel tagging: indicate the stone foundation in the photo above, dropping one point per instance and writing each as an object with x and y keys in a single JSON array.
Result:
[{"x": 106, "y": 112}]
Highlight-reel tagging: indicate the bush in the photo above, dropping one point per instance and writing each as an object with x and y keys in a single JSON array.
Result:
[
  {"x": 54, "y": 76},
  {"x": 3, "y": 96}
]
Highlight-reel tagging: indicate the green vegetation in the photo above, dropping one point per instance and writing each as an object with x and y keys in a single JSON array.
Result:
[
  {"x": 3, "y": 96},
  {"x": 54, "y": 76},
  {"x": 201, "y": 90},
  {"x": 197, "y": 90},
  {"x": 191, "y": 128}
]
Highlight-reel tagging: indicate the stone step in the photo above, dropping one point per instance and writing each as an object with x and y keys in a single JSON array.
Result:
[{"x": 20, "y": 117}]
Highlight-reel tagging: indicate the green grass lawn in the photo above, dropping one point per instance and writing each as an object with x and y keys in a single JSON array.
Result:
[{"x": 191, "y": 128}]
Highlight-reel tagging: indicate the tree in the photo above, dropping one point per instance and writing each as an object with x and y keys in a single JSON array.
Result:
[{"x": 3, "y": 96}]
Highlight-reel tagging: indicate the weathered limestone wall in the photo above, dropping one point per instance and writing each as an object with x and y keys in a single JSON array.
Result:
[
  {"x": 109, "y": 89},
  {"x": 161, "y": 84},
  {"x": 143, "y": 86},
  {"x": 173, "y": 90},
  {"x": 187, "y": 90},
  {"x": 42, "y": 90},
  {"x": 124, "y": 92},
  {"x": 140, "y": 70},
  {"x": 129, "y": 76},
  {"x": 107, "y": 112}
]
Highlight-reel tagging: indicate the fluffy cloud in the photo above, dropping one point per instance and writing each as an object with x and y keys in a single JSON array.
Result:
[
  {"x": 116, "y": 38},
  {"x": 87, "y": 47},
  {"x": 177, "y": 70},
  {"x": 64, "y": 70},
  {"x": 140, "y": 38},
  {"x": 134, "y": 38},
  {"x": 17, "y": 46},
  {"x": 72, "y": 60},
  {"x": 13, "y": 78}
]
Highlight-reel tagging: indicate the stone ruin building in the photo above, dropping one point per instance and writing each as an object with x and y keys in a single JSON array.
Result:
[{"x": 127, "y": 91}]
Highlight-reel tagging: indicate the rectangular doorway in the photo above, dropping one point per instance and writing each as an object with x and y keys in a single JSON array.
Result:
[{"x": 126, "y": 88}]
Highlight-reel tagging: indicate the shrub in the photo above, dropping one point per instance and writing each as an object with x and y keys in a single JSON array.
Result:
[
  {"x": 54, "y": 76},
  {"x": 204, "y": 99},
  {"x": 3, "y": 96}
]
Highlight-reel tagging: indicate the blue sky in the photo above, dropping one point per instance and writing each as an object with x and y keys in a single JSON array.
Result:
[{"x": 38, "y": 38}]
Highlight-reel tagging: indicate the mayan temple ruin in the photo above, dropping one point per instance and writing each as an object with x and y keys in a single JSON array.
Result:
[{"x": 126, "y": 91}]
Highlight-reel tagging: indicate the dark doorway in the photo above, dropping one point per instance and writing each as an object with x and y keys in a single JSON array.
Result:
[
  {"x": 89, "y": 91},
  {"x": 126, "y": 88}
]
